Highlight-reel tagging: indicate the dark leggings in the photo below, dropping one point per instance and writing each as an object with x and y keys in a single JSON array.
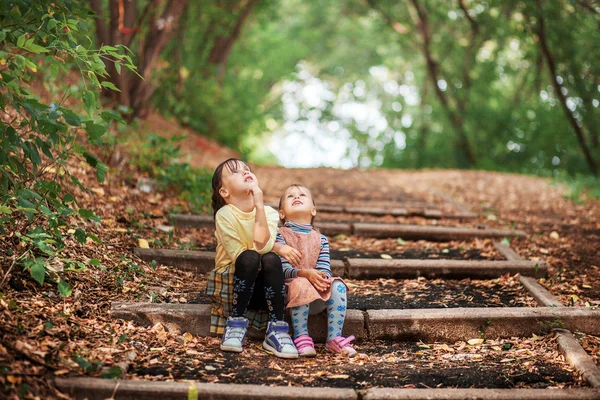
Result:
[{"x": 263, "y": 273}]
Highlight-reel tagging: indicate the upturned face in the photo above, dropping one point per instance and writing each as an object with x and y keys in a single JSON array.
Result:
[
  {"x": 297, "y": 205},
  {"x": 237, "y": 180}
]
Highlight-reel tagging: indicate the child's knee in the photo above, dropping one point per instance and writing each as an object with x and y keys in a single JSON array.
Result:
[
  {"x": 271, "y": 263},
  {"x": 249, "y": 257},
  {"x": 338, "y": 287},
  {"x": 249, "y": 260}
]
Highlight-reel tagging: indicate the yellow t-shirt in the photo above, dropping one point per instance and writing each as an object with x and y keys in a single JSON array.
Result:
[{"x": 235, "y": 233}]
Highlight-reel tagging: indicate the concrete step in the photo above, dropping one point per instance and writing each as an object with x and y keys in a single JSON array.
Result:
[
  {"x": 377, "y": 230},
  {"x": 360, "y": 268},
  {"x": 428, "y": 325},
  {"x": 439, "y": 233},
  {"x": 200, "y": 261},
  {"x": 364, "y": 268},
  {"x": 100, "y": 389}
]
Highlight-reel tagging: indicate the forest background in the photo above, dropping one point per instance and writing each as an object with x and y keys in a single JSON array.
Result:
[{"x": 496, "y": 85}]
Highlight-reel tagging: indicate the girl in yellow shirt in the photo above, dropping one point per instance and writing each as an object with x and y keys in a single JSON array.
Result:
[{"x": 247, "y": 283}]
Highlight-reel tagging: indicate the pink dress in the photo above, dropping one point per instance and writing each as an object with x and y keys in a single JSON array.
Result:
[{"x": 299, "y": 290}]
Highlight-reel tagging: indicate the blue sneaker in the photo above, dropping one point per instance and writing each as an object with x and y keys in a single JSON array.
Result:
[
  {"x": 233, "y": 339},
  {"x": 278, "y": 340}
]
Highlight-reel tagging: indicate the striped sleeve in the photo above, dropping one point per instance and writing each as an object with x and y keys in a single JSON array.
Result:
[
  {"x": 323, "y": 262},
  {"x": 288, "y": 270}
]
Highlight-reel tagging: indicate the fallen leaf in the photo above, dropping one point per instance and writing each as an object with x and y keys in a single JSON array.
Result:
[
  {"x": 342, "y": 376},
  {"x": 474, "y": 342},
  {"x": 210, "y": 368},
  {"x": 143, "y": 243},
  {"x": 554, "y": 235},
  {"x": 61, "y": 372},
  {"x": 386, "y": 256}
]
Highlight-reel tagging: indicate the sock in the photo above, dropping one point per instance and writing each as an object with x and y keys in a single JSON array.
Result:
[
  {"x": 336, "y": 310},
  {"x": 300, "y": 320}
]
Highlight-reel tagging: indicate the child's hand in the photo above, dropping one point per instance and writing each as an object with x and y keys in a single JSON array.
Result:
[
  {"x": 318, "y": 279},
  {"x": 257, "y": 193},
  {"x": 290, "y": 254}
]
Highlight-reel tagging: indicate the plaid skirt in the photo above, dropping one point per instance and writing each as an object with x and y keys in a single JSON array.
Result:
[{"x": 219, "y": 289}]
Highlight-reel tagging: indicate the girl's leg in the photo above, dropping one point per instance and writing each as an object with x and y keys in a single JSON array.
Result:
[
  {"x": 244, "y": 278},
  {"x": 300, "y": 320},
  {"x": 246, "y": 271},
  {"x": 336, "y": 310},
  {"x": 274, "y": 286},
  {"x": 277, "y": 339},
  {"x": 336, "y": 313},
  {"x": 302, "y": 341}
]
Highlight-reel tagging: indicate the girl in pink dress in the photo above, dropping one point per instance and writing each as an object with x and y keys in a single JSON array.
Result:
[{"x": 310, "y": 287}]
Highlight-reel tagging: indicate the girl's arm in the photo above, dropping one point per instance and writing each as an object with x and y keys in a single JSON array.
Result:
[
  {"x": 262, "y": 234},
  {"x": 286, "y": 252},
  {"x": 323, "y": 262},
  {"x": 288, "y": 269}
]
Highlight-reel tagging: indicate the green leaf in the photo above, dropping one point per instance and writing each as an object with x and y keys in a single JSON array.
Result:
[
  {"x": 80, "y": 235},
  {"x": 400, "y": 241},
  {"x": 113, "y": 373},
  {"x": 118, "y": 67},
  {"x": 95, "y": 131},
  {"x": 101, "y": 169},
  {"x": 94, "y": 237},
  {"x": 85, "y": 213},
  {"x": 122, "y": 338},
  {"x": 51, "y": 24},
  {"x": 505, "y": 241},
  {"x": 71, "y": 118},
  {"x": 91, "y": 159},
  {"x": 5, "y": 210},
  {"x": 21, "y": 40},
  {"x": 64, "y": 288},
  {"x": 89, "y": 100},
  {"x": 34, "y": 48},
  {"x": 110, "y": 85},
  {"x": 83, "y": 363},
  {"x": 37, "y": 271},
  {"x": 94, "y": 261}
]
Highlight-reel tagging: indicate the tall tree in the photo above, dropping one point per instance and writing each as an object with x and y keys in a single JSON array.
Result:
[
  {"x": 577, "y": 127},
  {"x": 121, "y": 28}
]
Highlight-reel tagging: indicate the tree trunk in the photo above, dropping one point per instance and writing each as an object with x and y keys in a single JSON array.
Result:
[
  {"x": 432, "y": 69},
  {"x": 101, "y": 28},
  {"x": 558, "y": 89},
  {"x": 161, "y": 31},
  {"x": 222, "y": 46}
]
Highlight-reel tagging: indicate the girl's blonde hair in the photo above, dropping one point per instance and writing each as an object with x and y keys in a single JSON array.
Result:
[{"x": 282, "y": 221}]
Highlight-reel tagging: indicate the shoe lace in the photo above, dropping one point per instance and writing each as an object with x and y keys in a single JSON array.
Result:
[
  {"x": 234, "y": 333},
  {"x": 283, "y": 338}
]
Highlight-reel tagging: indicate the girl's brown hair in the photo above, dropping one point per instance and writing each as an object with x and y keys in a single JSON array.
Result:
[
  {"x": 282, "y": 221},
  {"x": 217, "y": 182}
]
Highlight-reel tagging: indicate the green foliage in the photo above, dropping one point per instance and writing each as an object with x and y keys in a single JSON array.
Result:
[
  {"x": 37, "y": 140},
  {"x": 161, "y": 158},
  {"x": 581, "y": 187}
]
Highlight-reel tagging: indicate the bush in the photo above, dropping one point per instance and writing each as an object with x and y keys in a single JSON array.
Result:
[
  {"x": 38, "y": 209},
  {"x": 161, "y": 159}
]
